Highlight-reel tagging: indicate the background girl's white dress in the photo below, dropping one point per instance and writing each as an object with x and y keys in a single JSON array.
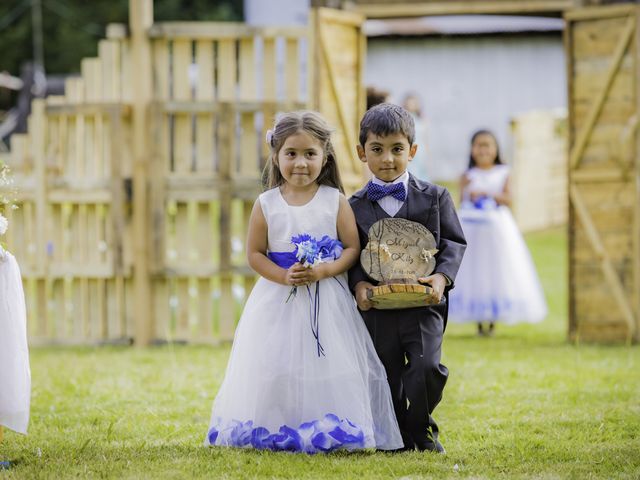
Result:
[
  {"x": 278, "y": 393},
  {"x": 15, "y": 376},
  {"x": 497, "y": 280}
]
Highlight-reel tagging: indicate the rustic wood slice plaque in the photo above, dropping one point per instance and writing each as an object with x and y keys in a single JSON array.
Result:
[
  {"x": 401, "y": 295},
  {"x": 398, "y": 253}
]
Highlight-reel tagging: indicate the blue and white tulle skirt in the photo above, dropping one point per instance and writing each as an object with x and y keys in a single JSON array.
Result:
[
  {"x": 497, "y": 280},
  {"x": 297, "y": 387},
  {"x": 15, "y": 376}
]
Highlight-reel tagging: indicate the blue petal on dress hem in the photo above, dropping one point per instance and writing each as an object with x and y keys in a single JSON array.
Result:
[{"x": 319, "y": 436}]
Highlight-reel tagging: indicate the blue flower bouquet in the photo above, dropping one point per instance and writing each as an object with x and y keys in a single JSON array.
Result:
[{"x": 310, "y": 251}]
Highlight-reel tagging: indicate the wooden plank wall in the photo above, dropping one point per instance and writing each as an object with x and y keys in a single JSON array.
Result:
[
  {"x": 69, "y": 232},
  {"x": 217, "y": 88},
  {"x": 604, "y": 189},
  {"x": 539, "y": 169},
  {"x": 338, "y": 85}
]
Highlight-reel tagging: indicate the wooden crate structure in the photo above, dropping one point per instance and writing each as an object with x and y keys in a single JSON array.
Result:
[
  {"x": 604, "y": 167},
  {"x": 339, "y": 53},
  {"x": 135, "y": 188},
  {"x": 539, "y": 169},
  {"x": 216, "y": 92},
  {"x": 70, "y": 231}
]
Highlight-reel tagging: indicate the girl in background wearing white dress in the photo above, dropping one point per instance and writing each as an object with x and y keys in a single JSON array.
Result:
[
  {"x": 15, "y": 376},
  {"x": 497, "y": 280},
  {"x": 303, "y": 375}
]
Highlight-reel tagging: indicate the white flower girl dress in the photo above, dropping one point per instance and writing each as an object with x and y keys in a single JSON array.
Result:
[
  {"x": 15, "y": 375},
  {"x": 497, "y": 280},
  {"x": 303, "y": 375}
]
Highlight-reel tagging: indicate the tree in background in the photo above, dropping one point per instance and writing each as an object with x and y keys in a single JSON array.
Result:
[{"x": 72, "y": 28}]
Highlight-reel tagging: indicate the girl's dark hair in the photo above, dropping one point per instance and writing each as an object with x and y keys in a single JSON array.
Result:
[
  {"x": 497, "y": 161},
  {"x": 312, "y": 123}
]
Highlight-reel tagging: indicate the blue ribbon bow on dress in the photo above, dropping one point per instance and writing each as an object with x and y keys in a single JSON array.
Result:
[{"x": 375, "y": 192}]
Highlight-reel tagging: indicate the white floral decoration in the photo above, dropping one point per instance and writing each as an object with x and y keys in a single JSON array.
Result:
[
  {"x": 269, "y": 137},
  {"x": 7, "y": 200}
]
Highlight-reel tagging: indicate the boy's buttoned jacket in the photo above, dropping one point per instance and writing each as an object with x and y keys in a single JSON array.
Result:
[
  {"x": 408, "y": 341},
  {"x": 428, "y": 204}
]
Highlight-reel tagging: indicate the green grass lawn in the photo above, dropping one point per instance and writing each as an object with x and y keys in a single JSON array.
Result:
[{"x": 523, "y": 404}]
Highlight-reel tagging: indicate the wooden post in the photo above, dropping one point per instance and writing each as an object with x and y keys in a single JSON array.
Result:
[
  {"x": 335, "y": 87},
  {"x": 38, "y": 148},
  {"x": 603, "y": 246},
  {"x": 41, "y": 229},
  {"x": 140, "y": 20}
]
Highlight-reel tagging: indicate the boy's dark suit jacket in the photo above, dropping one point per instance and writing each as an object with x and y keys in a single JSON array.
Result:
[{"x": 408, "y": 341}]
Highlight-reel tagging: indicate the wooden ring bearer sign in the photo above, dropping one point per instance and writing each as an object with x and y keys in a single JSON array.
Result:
[{"x": 398, "y": 253}]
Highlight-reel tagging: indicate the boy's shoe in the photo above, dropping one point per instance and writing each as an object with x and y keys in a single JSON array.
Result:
[
  {"x": 397, "y": 450},
  {"x": 433, "y": 447},
  {"x": 4, "y": 465},
  {"x": 440, "y": 448},
  {"x": 431, "y": 444}
]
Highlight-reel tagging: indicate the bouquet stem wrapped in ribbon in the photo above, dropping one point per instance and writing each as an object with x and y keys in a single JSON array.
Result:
[{"x": 309, "y": 251}]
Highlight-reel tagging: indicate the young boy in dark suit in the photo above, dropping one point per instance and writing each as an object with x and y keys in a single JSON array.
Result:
[{"x": 408, "y": 341}]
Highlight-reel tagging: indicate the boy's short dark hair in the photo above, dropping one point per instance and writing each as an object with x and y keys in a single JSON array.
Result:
[{"x": 386, "y": 119}]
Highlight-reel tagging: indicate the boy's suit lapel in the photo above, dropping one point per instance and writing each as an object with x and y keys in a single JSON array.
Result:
[
  {"x": 366, "y": 214},
  {"x": 420, "y": 199}
]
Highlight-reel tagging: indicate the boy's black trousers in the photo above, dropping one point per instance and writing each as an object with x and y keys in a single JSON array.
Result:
[{"x": 409, "y": 344}]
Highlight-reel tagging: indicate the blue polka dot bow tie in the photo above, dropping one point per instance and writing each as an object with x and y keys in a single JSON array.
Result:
[{"x": 375, "y": 192}]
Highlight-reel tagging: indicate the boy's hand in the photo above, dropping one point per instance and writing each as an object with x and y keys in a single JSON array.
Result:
[
  {"x": 436, "y": 281},
  {"x": 362, "y": 299}
]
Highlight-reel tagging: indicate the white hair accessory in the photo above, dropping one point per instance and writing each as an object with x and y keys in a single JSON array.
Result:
[{"x": 269, "y": 137}]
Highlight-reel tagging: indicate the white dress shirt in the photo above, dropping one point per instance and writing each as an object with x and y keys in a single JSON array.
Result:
[{"x": 390, "y": 204}]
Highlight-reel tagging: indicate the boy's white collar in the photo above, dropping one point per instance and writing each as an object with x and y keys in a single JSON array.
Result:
[{"x": 404, "y": 178}]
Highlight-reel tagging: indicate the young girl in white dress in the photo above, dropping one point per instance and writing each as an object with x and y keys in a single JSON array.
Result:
[
  {"x": 15, "y": 376},
  {"x": 303, "y": 375},
  {"x": 497, "y": 280}
]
